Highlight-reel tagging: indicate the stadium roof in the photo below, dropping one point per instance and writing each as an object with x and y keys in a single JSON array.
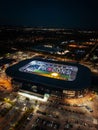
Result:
[{"x": 81, "y": 80}]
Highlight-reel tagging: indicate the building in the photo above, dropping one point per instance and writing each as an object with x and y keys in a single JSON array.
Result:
[{"x": 48, "y": 76}]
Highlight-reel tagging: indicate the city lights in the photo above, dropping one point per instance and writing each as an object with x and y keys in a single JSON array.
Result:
[{"x": 46, "y": 79}]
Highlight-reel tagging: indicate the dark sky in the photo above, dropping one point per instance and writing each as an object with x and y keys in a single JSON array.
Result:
[{"x": 50, "y": 13}]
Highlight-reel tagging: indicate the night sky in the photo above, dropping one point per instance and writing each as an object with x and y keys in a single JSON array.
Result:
[{"x": 50, "y": 13}]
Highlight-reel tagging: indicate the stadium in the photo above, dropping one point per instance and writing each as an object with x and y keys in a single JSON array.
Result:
[{"x": 47, "y": 76}]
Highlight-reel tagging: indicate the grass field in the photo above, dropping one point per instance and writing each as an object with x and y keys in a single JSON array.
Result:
[{"x": 49, "y": 74}]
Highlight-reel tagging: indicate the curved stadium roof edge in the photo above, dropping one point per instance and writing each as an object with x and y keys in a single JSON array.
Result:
[{"x": 81, "y": 81}]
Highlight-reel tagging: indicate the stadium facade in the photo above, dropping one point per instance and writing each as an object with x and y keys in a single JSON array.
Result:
[{"x": 46, "y": 76}]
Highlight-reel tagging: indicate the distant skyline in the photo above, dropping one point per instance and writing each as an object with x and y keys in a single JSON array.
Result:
[{"x": 50, "y": 13}]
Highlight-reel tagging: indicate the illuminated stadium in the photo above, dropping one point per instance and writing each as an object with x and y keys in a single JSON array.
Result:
[{"x": 72, "y": 79}]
